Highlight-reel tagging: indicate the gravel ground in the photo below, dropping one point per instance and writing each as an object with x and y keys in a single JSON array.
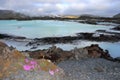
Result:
[
  {"x": 33, "y": 75},
  {"x": 91, "y": 69}
]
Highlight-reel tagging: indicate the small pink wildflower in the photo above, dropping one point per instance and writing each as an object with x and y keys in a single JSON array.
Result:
[
  {"x": 51, "y": 72},
  {"x": 26, "y": 60},
  {"x": 30, "y": 64},
  {"x": 33, "y": 62},
  {"x": 56, "y": 70},
  {"x": 27, "y": 67}
]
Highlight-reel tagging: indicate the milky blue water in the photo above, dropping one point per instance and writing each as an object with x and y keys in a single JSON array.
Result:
[
  {"x": 45, "y": 28},
  {"x": 50, "y": 28}
]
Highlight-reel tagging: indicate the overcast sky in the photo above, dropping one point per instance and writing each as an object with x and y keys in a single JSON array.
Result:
[{"x": 63, "y": 7}]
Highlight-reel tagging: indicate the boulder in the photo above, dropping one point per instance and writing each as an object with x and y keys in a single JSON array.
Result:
[
  {"x": 15, "y": 66},
  {"x": 32, "y": 69},
  {"x": 95, "y": 51},
  {"x": 53, "y": 53},
  {"x": 80, "y": 53},
  {"x": 8, "y": 58},
  {"x": 57, "y": 54}
]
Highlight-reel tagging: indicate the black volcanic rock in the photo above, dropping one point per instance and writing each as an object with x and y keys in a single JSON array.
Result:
[
  {"x": 9, "y": 14},
  {"x": 95, "y": 51},
  {"x": 117, "y": 28},
  {"x": 3, "y": 36},
  {"x": 116, "y": 16}
]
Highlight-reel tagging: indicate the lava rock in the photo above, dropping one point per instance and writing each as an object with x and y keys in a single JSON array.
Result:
[
  {"x": 117, "y": 28},
  {"x": 95, "y": 51},
  {"x": 80, "y": 53},
  {"x": 53, "y": 53}
]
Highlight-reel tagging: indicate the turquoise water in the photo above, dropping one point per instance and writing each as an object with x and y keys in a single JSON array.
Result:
[
  {"x": 45, "y": 28},
  {"x": 49, "y": 28}
]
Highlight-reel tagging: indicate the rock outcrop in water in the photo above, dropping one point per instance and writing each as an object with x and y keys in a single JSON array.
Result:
[
  {"x": 117, "y": 28},
  {"x": 3, "y": 36},
  {"x": 97, "y": 36}
]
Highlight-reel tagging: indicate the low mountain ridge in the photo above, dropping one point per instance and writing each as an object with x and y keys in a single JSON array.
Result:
[
  {"x": 117, "y": 15},
  {"x": 9, "y": 14}
]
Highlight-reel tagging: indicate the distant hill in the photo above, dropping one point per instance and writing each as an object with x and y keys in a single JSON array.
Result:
[
  {"x": 117, "y": 16},
  {"x": 84, "y": 16},
  {"x": 9, "y": 14}
]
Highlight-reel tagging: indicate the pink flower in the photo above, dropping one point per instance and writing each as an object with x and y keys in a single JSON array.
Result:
[
  {"x": 30, "y": 64},
  {"x": 27, "y": 67},
  {"x": 26, "y": 60},
  {"x": 56, "y": 70},
  {"x": 51, "y": 72},
  {"x": 33, "y": 62}
]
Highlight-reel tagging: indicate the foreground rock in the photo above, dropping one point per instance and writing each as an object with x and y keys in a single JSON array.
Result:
[
  {"x": 77, "y": 64},
  {"x": 15, "y": 66},
  {"x": 38, "y": 69},
  {"x": 8, "y": 57}
]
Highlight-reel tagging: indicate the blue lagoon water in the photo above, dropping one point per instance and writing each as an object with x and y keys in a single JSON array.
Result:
[
  {"x": 49, "y": 28},
  {"x": 45, "y": 28}
]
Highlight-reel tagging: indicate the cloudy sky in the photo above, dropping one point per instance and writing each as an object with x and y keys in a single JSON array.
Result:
[{"x": 63, "y": 7}]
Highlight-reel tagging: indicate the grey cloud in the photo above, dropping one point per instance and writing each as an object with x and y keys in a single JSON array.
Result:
[{"x": 71, "y": 7}]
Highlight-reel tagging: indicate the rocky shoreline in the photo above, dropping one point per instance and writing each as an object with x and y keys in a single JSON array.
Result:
[
  {"x": 33, "y": 44},
  {"x": 80, "y": 36},
  {"x": 98, "y": 36},
  {"x": 57, "y": 54}
]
